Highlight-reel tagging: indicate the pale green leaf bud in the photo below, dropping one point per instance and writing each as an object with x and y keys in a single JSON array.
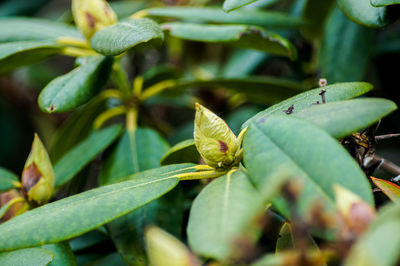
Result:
[
  {"x": 215, "y": 141},
  {"x": 92, "y": 15},
  {"x": 38, "y": 175}
]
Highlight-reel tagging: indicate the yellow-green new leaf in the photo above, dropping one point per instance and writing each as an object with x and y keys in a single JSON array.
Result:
[{"x": 390, "y": 189}]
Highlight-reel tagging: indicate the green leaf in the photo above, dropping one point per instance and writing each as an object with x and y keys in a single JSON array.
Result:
[
  {"x": 75, "y": 88},
  {"x": 136, "y": 152},
  {"x": 26, "y": 29},
  {"x": 268, "y": 19},
  {"x": 83, "y": 153},
  {"x": 230, "y": 5},
  {"x": 343, "y": 118},
  {"x": 132, "y": 154},
  {"x": 256, "y": 88},
  {"x": 63, "y": 255},
  {"x": 222, "y": 213},
  {"x": 17, "y": 54},
  {"x": 380, "y": 244},
  {"x": 363, "y": 13},
  {"x": 306, "y": 153},
  {"x": 76, "y": 128},
  {"x": 118, "y": 38},
  {"x": 183, "y": 152},
  {"x": 354, "y": 52},
  {"x": 379, "y": 3},
  {"x": 250, "y": 37},
  {"x": 75, "y": 215},
  {"x": 8, "y": 179},
  {"x": 335, "y": 92},
  {"x": 316, "y": 19},
  {"x": 242, "y": 63},
  {"x": 390, "y": 189},
  {"x": 29, "y": 256},
  {"x": 236, "y": 119}
]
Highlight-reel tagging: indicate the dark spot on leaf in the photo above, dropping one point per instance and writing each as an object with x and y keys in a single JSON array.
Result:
[
  {"x": 289, "y": 110},
  {"x": 223, "y": 147},
  {"x": 51, "y": 108},
  {"x": 91, "y": 20},
  {"x": 30, "y": 176}
]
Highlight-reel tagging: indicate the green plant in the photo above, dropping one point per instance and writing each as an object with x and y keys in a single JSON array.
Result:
[{"x": 286, "y": 181}]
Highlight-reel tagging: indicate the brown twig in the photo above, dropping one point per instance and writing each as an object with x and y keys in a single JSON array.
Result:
[
  {"x": 387, "y": 136},
  {"x": 387, "y": 165}
]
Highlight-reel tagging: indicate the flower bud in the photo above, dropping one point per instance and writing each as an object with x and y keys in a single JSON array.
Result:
[
  {"x": 17, "y": 208},
  {"x": 38, "y": 175},
  {"x": 214, "y": 140},
  {"x": 355, "y": 214},
  {"x": 92, "y": 15},
  {"x": 164, "y": 249}
]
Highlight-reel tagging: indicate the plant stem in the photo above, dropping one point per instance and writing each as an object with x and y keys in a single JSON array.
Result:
[{"x": 120, "y": 78}]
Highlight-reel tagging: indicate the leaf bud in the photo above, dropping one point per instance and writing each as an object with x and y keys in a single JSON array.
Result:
[
  {"x": 164, "y": 249},
  {"x": 92, "y": 15},
  {"x": 16, "y": 208},
  {"x": 355, "y": 214},
  {"x": 38, "y": 175},
  {"x": 214, "y": 140}
]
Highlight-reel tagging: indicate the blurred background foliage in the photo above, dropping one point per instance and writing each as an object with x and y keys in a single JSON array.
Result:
[{"x": 332, "y": 47}]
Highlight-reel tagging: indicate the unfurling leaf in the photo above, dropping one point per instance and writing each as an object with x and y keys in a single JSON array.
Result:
[
  {"x": 390, "y": 189},
  {"x": 92, "y": 15},
  {"x": 214, "y": 140},
  {"x": 38, "y": 175},
  {"x": 163, "y": 249}
]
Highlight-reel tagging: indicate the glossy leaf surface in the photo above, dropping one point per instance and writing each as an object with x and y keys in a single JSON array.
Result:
[
  {"x": 118, "y": 38},
  {"x": 268, "y": 19},
  {"x": 307, "y": 154},
  {"x": 221, "y": 213},
  {"x": 343, "y": 118},
  {"x": 250, "y": 37},
  {"x": 29, "y": 256},
  {"x": 17, "y": 54},
  {"x": 75, "y": 88},
  {"x": 335, "y": 92},
  {"x": 80, "y": 155}
]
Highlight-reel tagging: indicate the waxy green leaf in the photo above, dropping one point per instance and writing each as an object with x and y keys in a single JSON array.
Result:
[
  {"x": 27, "y": 29},
  {"x": 379, "y": 3},
  {"x": 230, "y": 5},
  {"x": 316, "y": 20},
  {"x": 29, "y": 256},
  {"x": 354, "y": 52},
  {"x": 258, "y": 89},
  {"x": 135, "y": 152},
  {"x": 83, "y": 153},
  {"x": 250, "y": 37},
  {"x": 390, "y": 189},
  {"x": 75, "y": 215},
  {"x": 17, "y": 54},
  {"x": 341, "y": 119},
  {"x": 267, "y": 19},
  {"x": 118, "y": 38},
  {"x": 335, "y": 92},
  {"x": 75, "y": 88},
  {"x": 221, "y": 213},
  {"x": 63, "y": 255},
  {"x": 183, "y": 152},
  {"x": 8, "y": 179},
  {"x": 307, "y": 154},
  {"x": 363, "y": 13}
]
